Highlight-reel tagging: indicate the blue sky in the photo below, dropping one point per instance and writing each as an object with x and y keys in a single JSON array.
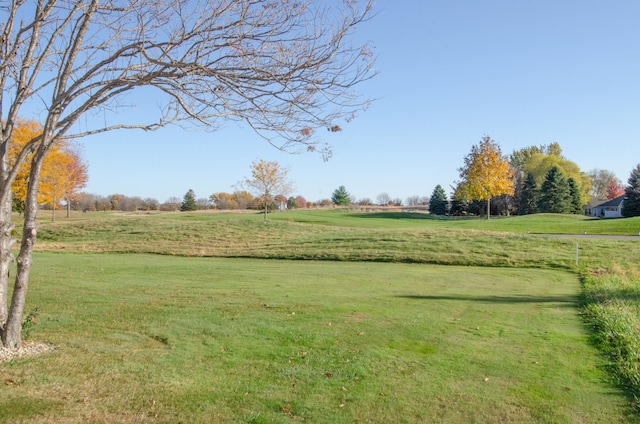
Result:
[{"x": 450, "y": 71}]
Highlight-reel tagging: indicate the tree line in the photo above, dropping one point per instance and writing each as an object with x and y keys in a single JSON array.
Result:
[{"x": 534, "y": 179}]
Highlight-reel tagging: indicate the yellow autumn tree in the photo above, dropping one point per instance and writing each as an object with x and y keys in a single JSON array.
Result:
[
  {"x": 23, "y": 132},
  {"x": 486, "y": 173},
  {"x": 63, "y": 171},
  {"x": 267, "y": 179}
]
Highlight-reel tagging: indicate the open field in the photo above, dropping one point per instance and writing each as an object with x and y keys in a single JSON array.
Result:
[
  {"x": 330, "y": 316},
  {"x": 166, "y": 339}
]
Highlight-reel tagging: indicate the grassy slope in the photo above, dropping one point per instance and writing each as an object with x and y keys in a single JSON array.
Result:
[{"x": 165, "y": 339}]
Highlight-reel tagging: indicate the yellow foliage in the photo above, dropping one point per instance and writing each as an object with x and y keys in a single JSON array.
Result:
[
  {"x": 539, "y": 165},
  {"x": 486, "y": 172},
  {"x": 63, "y": 171}
]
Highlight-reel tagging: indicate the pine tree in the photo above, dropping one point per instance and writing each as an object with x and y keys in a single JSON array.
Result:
[
  {"x": 554, "y": 193},
  {"x": 631, "y": 203},
  {"x": 529, "y": 196},
  {"x": 575, "y": 197},
  {"x": 341, "y": 197},
  {"x": 189, "y": 202},
  {"x": 438, "y": 201}
]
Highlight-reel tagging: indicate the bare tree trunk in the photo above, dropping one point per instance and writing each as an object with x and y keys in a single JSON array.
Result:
[
  {"x": 12, "y": 334},
  {"x": 7, "y": 240},
  {"x": 488, "y": 208}
]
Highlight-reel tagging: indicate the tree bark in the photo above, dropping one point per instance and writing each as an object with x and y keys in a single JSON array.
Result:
[
  {"x": 7, "y": 240},
  {"x": 12, "y": 333},
  {"x": 488, "y": 208}
]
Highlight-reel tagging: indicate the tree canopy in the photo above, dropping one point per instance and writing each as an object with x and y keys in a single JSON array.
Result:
[
  {"x": 602, "y": 180},
  {"x": 486, "y": 173},
  {"x": 540, "y": 164}
]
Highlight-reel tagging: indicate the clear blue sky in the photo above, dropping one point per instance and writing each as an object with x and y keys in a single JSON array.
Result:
[{"x": 450, "y": 71}]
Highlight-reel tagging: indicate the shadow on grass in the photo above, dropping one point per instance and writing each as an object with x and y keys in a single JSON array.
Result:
[
  {"x": 403, "y": 215},
  {"x": 565, "y": 301}
]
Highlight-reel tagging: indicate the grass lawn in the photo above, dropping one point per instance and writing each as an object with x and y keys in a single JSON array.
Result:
[{"x": 150, "y": 338}]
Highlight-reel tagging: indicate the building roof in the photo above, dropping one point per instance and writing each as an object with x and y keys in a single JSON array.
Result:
[{"x": 612, "y": 203}]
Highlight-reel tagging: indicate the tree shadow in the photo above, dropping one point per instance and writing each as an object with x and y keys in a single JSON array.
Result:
[
  {"x": 564, "y": 301},
  {"x": 400, "y": 215}
]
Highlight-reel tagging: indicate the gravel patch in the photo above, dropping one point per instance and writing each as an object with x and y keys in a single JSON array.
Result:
[{"x": 27, "y": 350}]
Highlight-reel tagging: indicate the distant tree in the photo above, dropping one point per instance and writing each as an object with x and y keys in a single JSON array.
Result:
[
  {"x": 518, "y": 160},
  {"x": 540, "y": 164},
  {"x": 412, "y": 201},
  {"x": 223, "y": 201},
  {"x": 575, "y": 198},
  {"x": 364, "y": 202},
  {"x": 291, "y": 203},
  {"x": 301, "y": 202},
  {"x": 438, "y": 201},
  {"x": 486, "y": 173},
  {"x": 459, "y": 203},
  {"x": 189, "y": 202},
  {"x": 614, "y": 189},
  {"x": 103, "y": 203},
  {"x": 129, "y": 204},
  {"x": 396, "y": 201},
  {"x": 631, "y": 203},
  {"x": 324, "y": 202},
  {"x": 172, "y": 204},
  {"x": 529, "y": 196},
  {"x": 77, "y": 177},
  {"x": 554, "y": 193},
  {"x": 85, "y": 202},
  {"x": 115, "y": 201},
  {"x": 341, "y": 197},
  {"x": 203, "y": 203},
  {"x": 383, "y": 199},
  {"x": 243, "y": 199},
  {"x": 267, "y": 179},
  {"x": 601, "y": 180},
  {"x": 150, "y": 204}
]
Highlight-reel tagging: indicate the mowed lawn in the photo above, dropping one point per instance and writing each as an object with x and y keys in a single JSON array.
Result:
[{"x": 149, "y": 338}]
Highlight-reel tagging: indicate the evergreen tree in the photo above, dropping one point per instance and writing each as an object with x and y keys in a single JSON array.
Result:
[
  {"x": 554, "y": 193},
  {"x": 575, "y": 197},
  {"x": 631, "y": 203},
  {"x": 341, "y": 197},
  {"x": 529, "y": 196},
  {"x": 438, "y": 201},
  {"x": 189, "y": 202}
]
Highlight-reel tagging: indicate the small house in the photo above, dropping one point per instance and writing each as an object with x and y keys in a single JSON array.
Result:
[{"x": 609, "y": 209}]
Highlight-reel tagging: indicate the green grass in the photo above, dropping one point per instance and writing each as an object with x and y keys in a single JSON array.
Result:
[
  {"x": 228, "y": 320},
  {"x": 340, "y": 236},
  {"x": 164, "y": 339}
]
